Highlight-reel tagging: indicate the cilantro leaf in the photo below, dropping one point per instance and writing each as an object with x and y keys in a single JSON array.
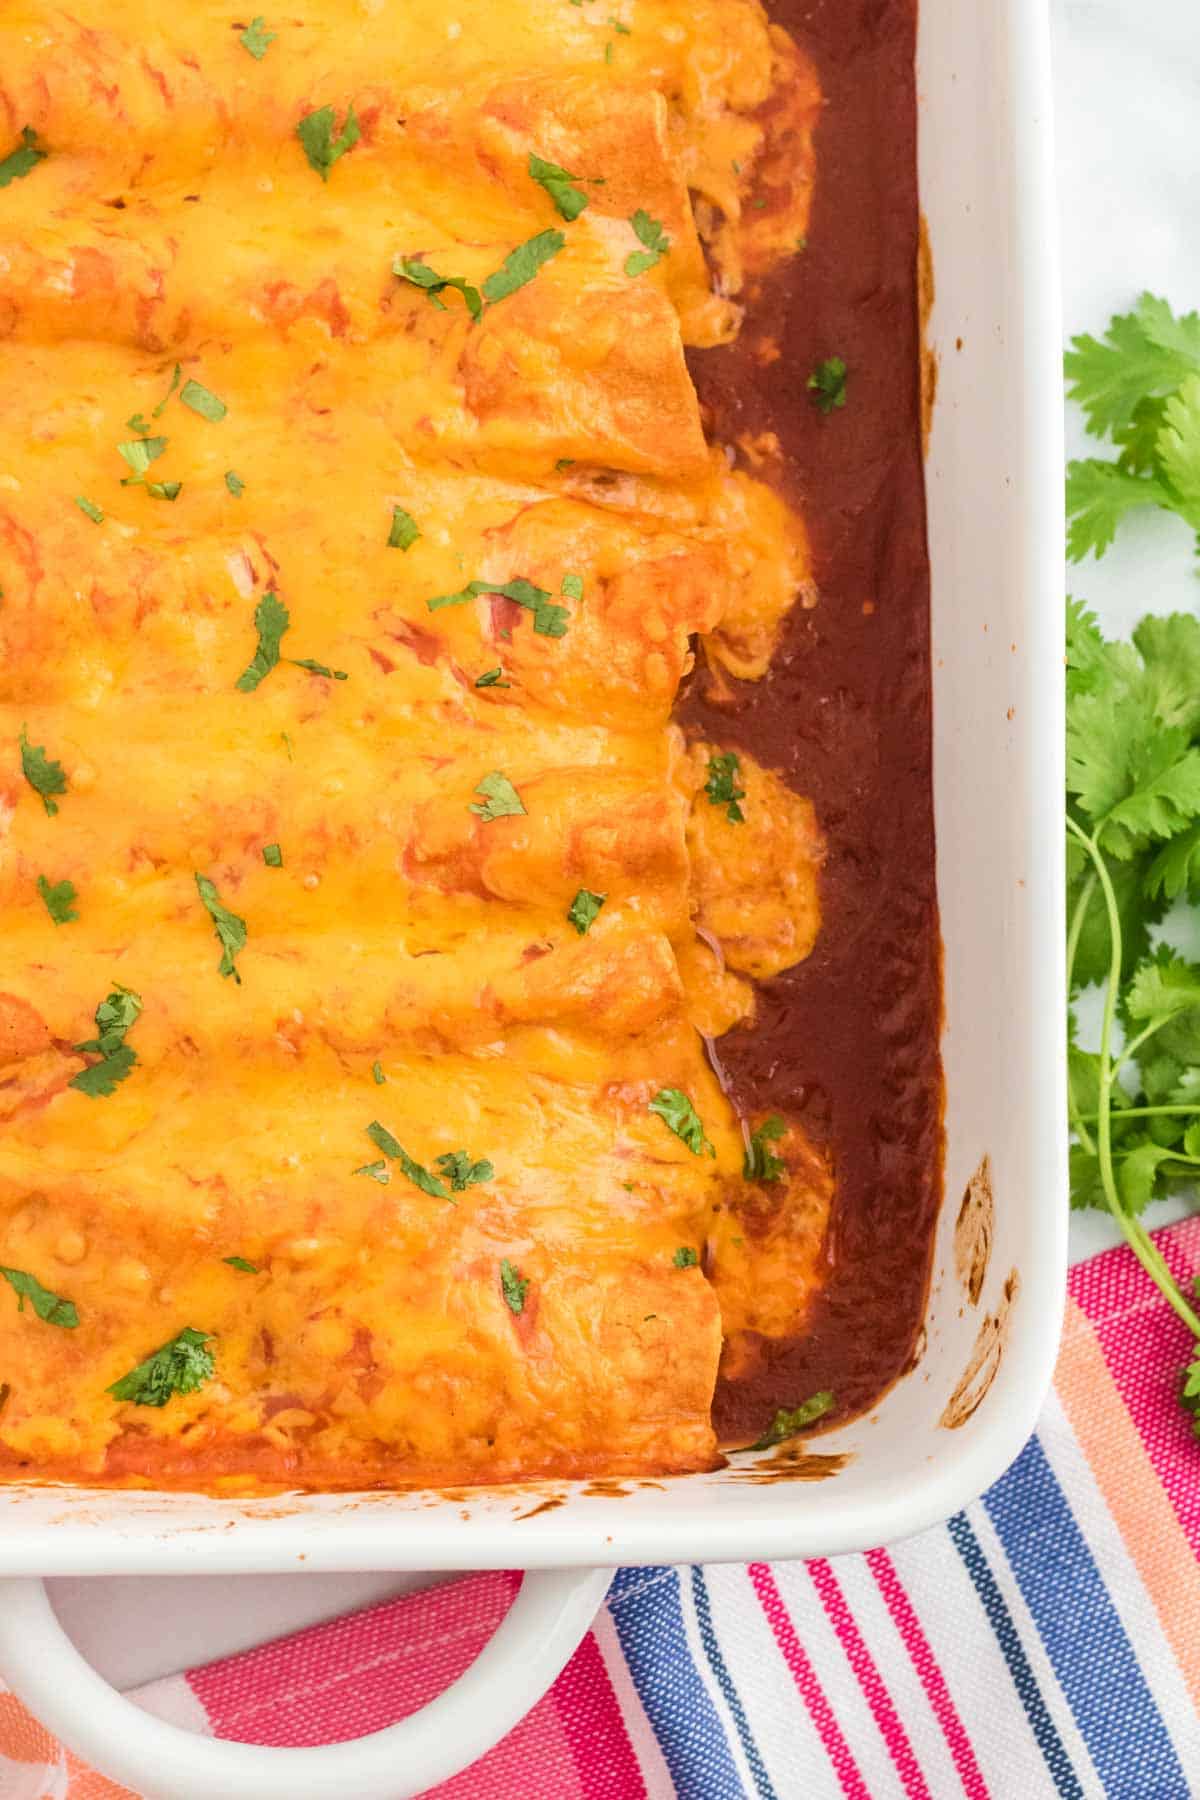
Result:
[
  {"x": 458, "y": 1169},
  {"x": 234, "y": 483},
  {"x": 45, "y": 777},
  {"x": 420, "y": 1177},
  {"x": 378, "y": 1171},
  {"x": 827, "y": 384},
  {"x": 1099, "y": 494},
  {"x": 180, "y": 1366},
  {"x": 584, "y": 910},
  {"x": 23, "y": 160},
  {"x": 760, "y": 1162},
  {"x": 1146, "y": 352},
  {"x": 94, "y": 513},
  {"x": 676, "y": 1111},
  {"x": 1179, "y": 448},
  {"x": 404, "y": 532},
  {"x": 569, "y": 200},
  {"x": 230, "y": 929},
  {"x": 411, "y": 269},
  {"x": 492, "y": 678},
  {"x": 272, "y": 855},
  {"x": 60, "y": 898},
  {"x": 500, "y": 798},
  {"x": 256, "y": 39},
  {"x": 721, "y": 786},
  {"x": 787, "y": 1425},
  {"x": 239, "y": 1262},
  {"x": 203, "y": 401},
  {"x": 549, "y": 619},
  {"x": 649, "y": 232},
  {"x": 47, "y": 1306},
  {"x": 572, "y": 587},
  {"x": 101, "y": 1079},
  {"x": 513, "y": 1287},
  {"x": 321, "y": 147},
  {"x": 139, "y": 453},
  {"x": 317, "y": 668},
  {"x": 271, "y": 620},
  {"x": 522, "y": 264},
  {"x": 377, "y": 1074},
  {"x": 686, "y": 1258},
  {"x": 117, "y": 1014}
]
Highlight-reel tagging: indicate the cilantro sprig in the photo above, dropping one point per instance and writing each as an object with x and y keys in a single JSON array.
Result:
[
  {"x": 549, "y": 618},
  {"x": 676, "y": 1111},
  {"x": 271, "y": 620},
  {"x": 787, "y": 1424},
  {"x": 1133, "y": 845},
  {"x": 648, "y": 232},
  {"x": 724, "y": 772},
  {"x": 49, "y": 1307},
  {"x": 23, "y": 160},
  {"x": 458, "y": 1171},
  {"x": 1139, "y": 387},
  {"x": 45, "y": 776},
  {"x": 322, "y": 146}
]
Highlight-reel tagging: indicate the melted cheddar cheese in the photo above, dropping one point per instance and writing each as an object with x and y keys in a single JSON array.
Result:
[{"x": 357, "y": 528}]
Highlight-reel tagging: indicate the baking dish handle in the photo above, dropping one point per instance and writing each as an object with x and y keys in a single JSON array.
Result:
[{"x": 41, "y": 1665}]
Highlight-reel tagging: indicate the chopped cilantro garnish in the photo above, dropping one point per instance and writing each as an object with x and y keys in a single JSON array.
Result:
[
  {"x": 492, "y": 678},
  {"x": 378, "y": 1074},
  {"x": 44, "y": 776},
  {"x": 513, "y": 1286},
  {"x": 378, "y": 1171},
  {"x": 23, "y": 160},
  {"x": 60, "y": 898},
  {"x": 94, "y": 512},
  {"x": 458, "y": 1169},
  {"x": 115, "y": 1015},
  {"x": 239, "y": 1262},
  {"x": 139, "y": 453},
  {"x": 409, "y": 268},
  {"x": 572, "y": 587},
  {"x": 760, "y": 1163},
  {"x": 161, "y": 408},
  {"x": 787, "y": 1424},
  {"x": 584, "y": 910},
  {"x": 234, "y": 483},
  {"x": 721, "y": 786},
  {"x": 164, "y": 490},
  {"x": 230, "y": 929},
  {"x": 322, "y": 149},
  {"x": 676, "y": 1111},
  {"x": 569, "y": 200},
  {"x": 178, "y": 1367},
  {"x": 273, "y": 856},
  {"x": 500, "y": 798},
  {"x": 522, "y": 264},
  {"x": 203, "y": 401},
  {"x": 685, "y": 1257},
  {"x": 420, "y": 1177},
  {"x": 46, "y": 1305},
  {"x": 256, "y": 38},
  {"x": 405, "y": 530},
  {"x": 271, "y": 620},
  {"x": 549, "y": 619},
  {"x": 827, "y": 384},
  {"x": 649, "y": 232}
]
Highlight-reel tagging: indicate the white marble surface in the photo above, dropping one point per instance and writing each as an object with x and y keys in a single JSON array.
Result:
[{"x": 1128, "y": 80}]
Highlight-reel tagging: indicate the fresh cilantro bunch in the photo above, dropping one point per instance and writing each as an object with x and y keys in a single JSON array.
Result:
[
  {"x": 1133, "y": 846},
  {"x": 1139, "y": 386}
]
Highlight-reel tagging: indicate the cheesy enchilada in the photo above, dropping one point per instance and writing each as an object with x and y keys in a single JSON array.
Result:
[{"x": 374, "y": 915}]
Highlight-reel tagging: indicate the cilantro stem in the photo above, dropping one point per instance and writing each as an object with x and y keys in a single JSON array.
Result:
[
  {"x": 1146, "y": 1112},
  {"x": 1134, "y": 1232},
  {"x": 1073, "y": 936},
  {"x": 1131, "y": 1049}
]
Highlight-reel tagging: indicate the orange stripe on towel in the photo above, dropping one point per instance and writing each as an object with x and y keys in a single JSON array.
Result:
[{"x": 1135, "y": 1497}]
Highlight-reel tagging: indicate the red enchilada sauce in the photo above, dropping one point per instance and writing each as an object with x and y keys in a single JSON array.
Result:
[{"x": 847, "y": 1040}]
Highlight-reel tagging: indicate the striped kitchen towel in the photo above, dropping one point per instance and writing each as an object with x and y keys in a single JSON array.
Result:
[{"x": 1044, "y": 1642}]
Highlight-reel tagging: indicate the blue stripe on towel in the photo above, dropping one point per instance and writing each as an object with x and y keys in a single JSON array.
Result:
[
  {"x": 1083, "y": 1634},
  {"x": 725, "y": 1682},
  {"x": 646, "y": 1609},
  {"x": 1053, "y": 1750}
]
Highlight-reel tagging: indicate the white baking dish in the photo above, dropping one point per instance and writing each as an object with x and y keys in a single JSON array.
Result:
[{"x": 995, "y": 472}]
